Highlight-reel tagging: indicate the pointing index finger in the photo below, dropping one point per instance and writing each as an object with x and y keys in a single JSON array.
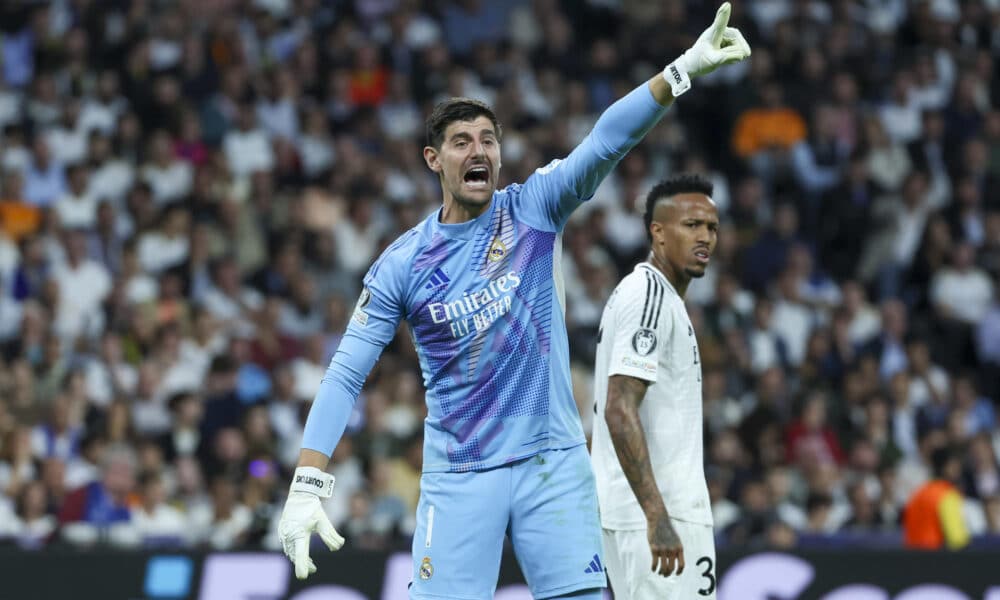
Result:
[{"x": 720, "y": 24}]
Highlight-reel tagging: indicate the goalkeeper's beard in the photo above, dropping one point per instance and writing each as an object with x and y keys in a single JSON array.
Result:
[{"x": 472, "y": 203}]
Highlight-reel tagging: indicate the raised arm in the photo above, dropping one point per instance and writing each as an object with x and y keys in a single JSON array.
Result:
[{"x": 558, "y": 188}]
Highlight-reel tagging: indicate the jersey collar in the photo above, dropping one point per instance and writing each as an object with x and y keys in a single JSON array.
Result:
[
  {"x": 648, "y": 266},
  {"x": 466, "y": 230}
]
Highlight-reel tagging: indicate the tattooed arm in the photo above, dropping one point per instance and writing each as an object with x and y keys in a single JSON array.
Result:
[{"x": 622, "y": 415}]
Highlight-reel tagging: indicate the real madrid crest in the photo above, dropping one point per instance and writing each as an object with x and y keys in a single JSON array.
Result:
[
  {"x": 497, "y": 250},
  {"x": 426, "y": 569}
]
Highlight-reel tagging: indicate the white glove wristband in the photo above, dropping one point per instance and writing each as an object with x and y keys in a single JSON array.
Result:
[
  {"x": 676, "y": 77},
  {"x": 312, "y": 481}
]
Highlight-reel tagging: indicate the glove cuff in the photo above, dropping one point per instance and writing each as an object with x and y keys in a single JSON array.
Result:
[
  {"x": 676, "y": 76},
  {"x": 312, "y": 481}
]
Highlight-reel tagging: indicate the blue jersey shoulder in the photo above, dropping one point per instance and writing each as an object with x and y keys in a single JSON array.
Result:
[{"x": 388, "y": 272}]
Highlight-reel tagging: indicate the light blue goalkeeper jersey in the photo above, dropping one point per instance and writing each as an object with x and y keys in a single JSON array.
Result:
[{"x": 485, "y": 306}]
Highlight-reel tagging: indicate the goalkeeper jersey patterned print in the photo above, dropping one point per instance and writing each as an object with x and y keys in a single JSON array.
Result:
[
  {"x": 483, "y": 301},
  {"x": 483, "y": 306}
]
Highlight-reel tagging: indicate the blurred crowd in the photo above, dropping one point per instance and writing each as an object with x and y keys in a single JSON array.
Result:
[{"x": 191, "y": 191}]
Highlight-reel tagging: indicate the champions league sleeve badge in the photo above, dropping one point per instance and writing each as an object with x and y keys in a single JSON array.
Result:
[
  {"x": 360, "y": 316},
  {"x": 644, "y": 341},
  {"x": 364, "y": 299}
]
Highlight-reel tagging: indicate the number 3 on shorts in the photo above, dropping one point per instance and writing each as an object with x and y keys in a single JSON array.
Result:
[{"x": 707, "y": 573}]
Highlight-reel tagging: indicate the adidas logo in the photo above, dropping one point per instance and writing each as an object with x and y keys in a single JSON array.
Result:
[
  {"x": 595, "y": 565},
  {"x": 438, "y": 278}
]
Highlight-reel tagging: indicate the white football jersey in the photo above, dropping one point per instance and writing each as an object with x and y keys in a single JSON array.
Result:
[{"x": 646, "y": 333}]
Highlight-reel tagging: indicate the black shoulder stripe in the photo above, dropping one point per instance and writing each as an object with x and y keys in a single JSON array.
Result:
[
  {"x": 654, "y": 299},
  {"x": 659, "y": 304},
  {"x": 645, "y": 308}
]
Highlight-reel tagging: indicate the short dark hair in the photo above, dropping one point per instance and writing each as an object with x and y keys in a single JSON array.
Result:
[
  {"x": 682, "y": 183},
  {"x": 457, "y": 109}
]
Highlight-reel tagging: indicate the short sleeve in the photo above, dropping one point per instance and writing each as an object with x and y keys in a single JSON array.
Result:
[{"x": 641, "y": 325}]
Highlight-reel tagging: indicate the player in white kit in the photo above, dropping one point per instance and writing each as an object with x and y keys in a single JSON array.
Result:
[{"x": 647, "y": 445}]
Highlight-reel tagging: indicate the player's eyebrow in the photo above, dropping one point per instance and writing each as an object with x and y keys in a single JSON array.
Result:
[{"x": 462, "y": 135}]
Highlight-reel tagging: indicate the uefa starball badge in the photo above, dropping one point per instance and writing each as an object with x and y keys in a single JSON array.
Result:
[{"x": 426, "y": 569}]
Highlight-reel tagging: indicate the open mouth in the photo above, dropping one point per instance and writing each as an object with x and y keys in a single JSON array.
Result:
[
  {"x": 477, "y": 177},
  {"x": 702, "y": 256}
]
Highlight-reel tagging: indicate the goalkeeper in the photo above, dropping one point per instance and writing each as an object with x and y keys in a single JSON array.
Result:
[{"x": 479, "y": 284}]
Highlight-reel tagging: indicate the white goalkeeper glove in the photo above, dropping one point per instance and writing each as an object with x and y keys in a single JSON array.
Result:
[
  {"x": 716, "y": 46},
  {"x": 303, "y": 515}
]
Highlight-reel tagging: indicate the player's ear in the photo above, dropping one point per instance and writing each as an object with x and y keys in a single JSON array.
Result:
[
  {"x": 656, "y": 231},
  {"x": 433, "y": 158}
]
